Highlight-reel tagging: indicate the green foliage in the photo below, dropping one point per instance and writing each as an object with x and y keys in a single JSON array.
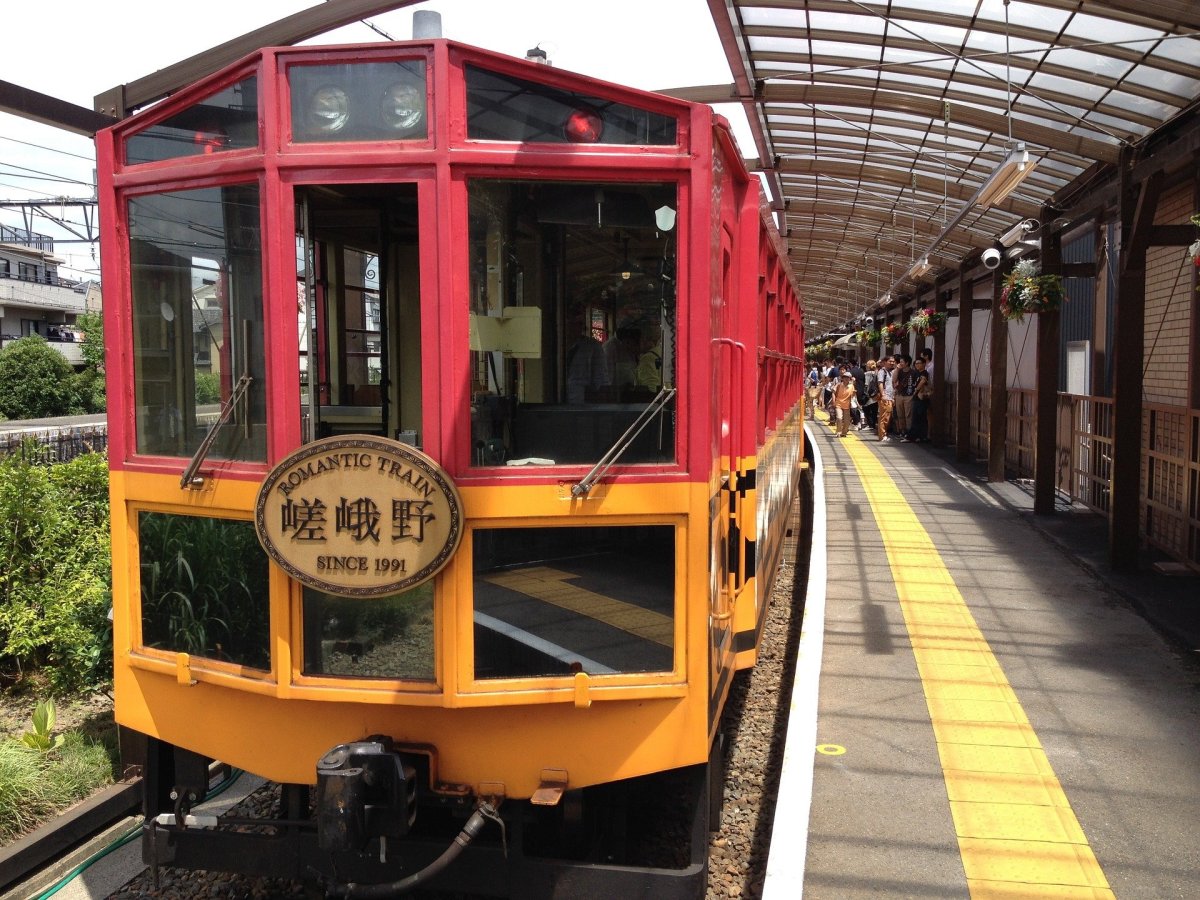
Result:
[
  {"x": 42, "y": 737},
  {"x": 36, "y": 381},
  {"x": 35, "y": 785},
  {"x": 55, "y": 571},
  {"x": 208, "y": 388}
]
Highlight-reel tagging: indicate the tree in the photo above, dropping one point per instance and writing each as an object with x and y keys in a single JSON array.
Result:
[
  {"x": 89, "y": 383},
  {"x": 92, "y": 345},
  {"x": 36, "y": 381}
]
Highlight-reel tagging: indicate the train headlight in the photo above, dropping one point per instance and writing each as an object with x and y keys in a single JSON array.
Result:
[
  {"x": 583, "y": 126},
  {"x": 402, "y": 108},
  {"x": 328, "y": 110}
]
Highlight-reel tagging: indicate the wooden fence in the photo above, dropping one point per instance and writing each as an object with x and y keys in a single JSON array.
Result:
[{"x": 1170, "y": 472}]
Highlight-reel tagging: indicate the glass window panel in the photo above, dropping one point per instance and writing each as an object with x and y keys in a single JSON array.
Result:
[
  {"x": 1072, "y": 88},
  {"x": 777, "y": 44},
  {"x": 572, "y": 309},
  {"x": 204, "y": 588},
  {"x": 1097, "y": 28},
  {"x": 1166, "y": 82},
  {"x": 388, "y": 637},
  {"x": 228, "y": 120},
  {"x": 554, "y": 601},
  {"x": 361, "y": 101},
  {"x": 505, "y": 108},
  {"x": 1090, "y": 65},
  {"x": 196, "y": 270},
  {"x": 752, "y": 16},
  {"x": 1178, "y": 48}
]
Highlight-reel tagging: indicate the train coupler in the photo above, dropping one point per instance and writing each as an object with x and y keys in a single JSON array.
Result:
[{"x": 365, "y": 790}]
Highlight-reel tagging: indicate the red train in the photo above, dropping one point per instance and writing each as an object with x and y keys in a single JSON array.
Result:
[{"x": 455, "y": 416}]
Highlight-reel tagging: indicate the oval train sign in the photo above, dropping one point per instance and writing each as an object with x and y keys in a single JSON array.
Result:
[{"x": 359, "y": 516}]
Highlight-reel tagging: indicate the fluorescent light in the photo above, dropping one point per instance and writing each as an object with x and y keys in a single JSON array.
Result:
[
  {"x": 920, "y": 267},
  {"x": 1005, "y": 179}
]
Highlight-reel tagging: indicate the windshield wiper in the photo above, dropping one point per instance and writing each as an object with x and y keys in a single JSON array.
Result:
[
  {"x": 189, "y": 478},
  {"x": 609, "y": 459}
]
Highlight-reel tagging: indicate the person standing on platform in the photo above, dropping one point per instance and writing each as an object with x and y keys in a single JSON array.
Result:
[
  {"x": 860, "y": 393},
  {"x": 918, "y": 433},
  {"x": 843, "y": 397},
  {"x": 927, "y": 355},
  {"x": 906, "y": 382},
  {"x": 887, "y": 396},
  {"x": 869, "y": 399}
]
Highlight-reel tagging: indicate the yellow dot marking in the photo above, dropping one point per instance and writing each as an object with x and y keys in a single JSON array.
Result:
[
  {"x": 1017, "y": 834},
  {"x": 830, "y": 749},
  {"x": 550, "y": 586}
]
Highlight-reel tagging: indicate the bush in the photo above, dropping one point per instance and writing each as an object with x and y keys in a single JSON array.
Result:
[
  {"x": 208, "y": 388},
  {"x": 36, "y": 381},
  {"x": 55, "y": 577}
]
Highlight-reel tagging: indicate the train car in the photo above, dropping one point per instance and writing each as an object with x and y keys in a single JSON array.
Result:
[{"x": 455, "y": 416}]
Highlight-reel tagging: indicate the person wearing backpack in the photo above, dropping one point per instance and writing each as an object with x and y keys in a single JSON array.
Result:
[{"x": 870, "y": 395}]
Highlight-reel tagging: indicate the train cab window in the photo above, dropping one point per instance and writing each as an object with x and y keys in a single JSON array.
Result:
[
  {"x": 384, "y": 637},
  {"x": 506, "y": 108},
  {"x": 196, "y": 272},
  {"x": 360, "y": 101},
  {"x": 204, "y": 588},
  {"x": 227, "y": 120},
  {"x": 554, "y": 601},
  {"x": 572, "y": 321}
]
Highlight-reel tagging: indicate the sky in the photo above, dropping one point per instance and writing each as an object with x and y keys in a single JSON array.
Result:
[{"x": 75, "y": 49}]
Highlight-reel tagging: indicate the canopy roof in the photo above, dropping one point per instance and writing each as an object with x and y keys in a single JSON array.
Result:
[{"x": 877, "y": 122}]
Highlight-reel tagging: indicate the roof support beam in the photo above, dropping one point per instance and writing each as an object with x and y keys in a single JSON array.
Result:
[
  {"x": 1046, "y": 434},
  {"x": 746, "y": 90},
  {"x": 1138, "y": 204}
]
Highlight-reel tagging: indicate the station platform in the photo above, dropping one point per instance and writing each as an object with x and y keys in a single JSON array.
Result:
[{"x": 996, "y": 715}]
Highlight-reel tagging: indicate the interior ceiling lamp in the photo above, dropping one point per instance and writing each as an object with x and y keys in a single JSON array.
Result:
[{"x": 1015, "y": 168}]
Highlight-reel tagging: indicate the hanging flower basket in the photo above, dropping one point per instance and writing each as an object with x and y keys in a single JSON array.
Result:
[
  {"x": 1027, "y": 292},
  {"x": 926, "y": 321},
  {"x": 894, "y": 332}
]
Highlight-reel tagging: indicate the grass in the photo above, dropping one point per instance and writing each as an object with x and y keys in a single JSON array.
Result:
[{"x": 35, "y": 785}]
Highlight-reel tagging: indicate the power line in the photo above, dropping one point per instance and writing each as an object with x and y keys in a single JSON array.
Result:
[{"x": 91, "y": 159}]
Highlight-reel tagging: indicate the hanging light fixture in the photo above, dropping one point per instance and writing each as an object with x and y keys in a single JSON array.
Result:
[{"x": 1015, "y": 168}]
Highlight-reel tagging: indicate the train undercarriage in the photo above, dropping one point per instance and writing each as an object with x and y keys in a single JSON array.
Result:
[{"x": 371, "y": 828}]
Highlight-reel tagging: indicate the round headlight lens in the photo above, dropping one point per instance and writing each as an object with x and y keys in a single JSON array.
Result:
[
  {"x": 402, "y": 108},
  {"x": 328, "y": 110}
]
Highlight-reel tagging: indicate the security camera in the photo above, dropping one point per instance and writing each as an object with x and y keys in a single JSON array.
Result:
[
  {"x": 991, "y": 257},
  {"x": 870, "y": 320}
]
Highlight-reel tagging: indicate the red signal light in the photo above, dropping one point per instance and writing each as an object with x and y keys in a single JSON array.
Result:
[{"x": 583, "y": 126}]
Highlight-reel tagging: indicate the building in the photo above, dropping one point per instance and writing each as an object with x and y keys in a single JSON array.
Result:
[{"x": 35, "y": 300}]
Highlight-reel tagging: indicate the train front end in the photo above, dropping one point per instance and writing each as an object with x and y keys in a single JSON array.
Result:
[{"x": 431, "y": 412}]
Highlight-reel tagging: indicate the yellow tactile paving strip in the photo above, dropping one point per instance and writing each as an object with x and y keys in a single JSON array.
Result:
[
  {"x": 1016, "y": 831},
  {"x": 553, "y": 586}
]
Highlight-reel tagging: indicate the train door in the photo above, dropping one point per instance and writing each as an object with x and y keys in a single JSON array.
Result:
[
  {"x": 359, "y": 310},
  {"x": 725, "y": 394}
]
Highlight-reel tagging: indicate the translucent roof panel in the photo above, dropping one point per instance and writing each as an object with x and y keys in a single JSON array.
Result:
[{"x": 858, "y": 98}]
